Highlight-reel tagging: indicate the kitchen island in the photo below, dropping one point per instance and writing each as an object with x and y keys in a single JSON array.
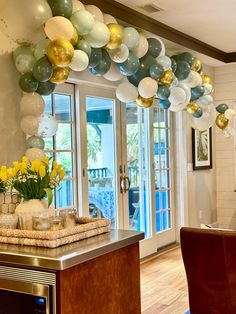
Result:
[{"x": 100, "y": 274}]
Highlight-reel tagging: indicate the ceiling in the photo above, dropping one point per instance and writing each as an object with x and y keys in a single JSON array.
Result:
[{"x": 210, "y": 21}]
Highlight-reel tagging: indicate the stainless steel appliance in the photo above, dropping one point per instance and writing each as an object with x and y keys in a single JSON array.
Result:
[{"x": 25, "y": 291}]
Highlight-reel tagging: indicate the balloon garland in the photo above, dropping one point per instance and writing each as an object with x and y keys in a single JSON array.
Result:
[{"x": 79, "y": 37}]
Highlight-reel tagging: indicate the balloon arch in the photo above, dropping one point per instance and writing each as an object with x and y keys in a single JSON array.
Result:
[{"x": 79, "y": 37}]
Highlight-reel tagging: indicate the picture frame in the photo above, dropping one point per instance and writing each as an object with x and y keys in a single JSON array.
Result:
[{"x": 202, "y": 149}]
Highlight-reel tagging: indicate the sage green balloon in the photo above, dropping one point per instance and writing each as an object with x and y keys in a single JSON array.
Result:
[
  {"x": 26, "y": 49},
  {"x": 156, "y": 71},
  {"x": 183, "y": 70},
  {"x": 28, "y": 83},
  {"x": 130, "y": 66},
  {"x": 222, "y": 108},
  {"x": 35, "y": 142},
  {"x": 173, "y": 64},
  {"x": 95, "y": 57},
  {"x": 103, "y": 65},
  {"x": 45, "y": 88},
  {"x": 61, "y": 7},
  {"x": 188, "y": 57},
  {"x": 163, "y": 92},
  {"x": 85, "y": 46},
  {"x": 42, "y": 70},
  {"x": 154, "y": 47}
]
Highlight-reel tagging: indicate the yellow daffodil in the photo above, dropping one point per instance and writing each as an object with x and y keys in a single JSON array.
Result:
[
  {"x": 16, "y": 165},
  {"x": 23, "y": 168},
  {"x": 53, "y": 174},
  {"x": 35, "y": 165},
  {"x": 42, "y": 171},
  {"x": 54, "y": 165},
  {"x": 3, "y": 168},
  {"x": 3, "y": 176},
  {"x": 59, "y": 167},
  {"x": 25, "y": 159},
  {"x": 11, "y": 172},
  {"x": 61, "y": 174},
  {"x": 46, "y": 160}
]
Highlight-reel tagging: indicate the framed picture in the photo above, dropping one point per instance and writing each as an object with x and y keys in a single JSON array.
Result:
[{"x": 202, "y": 149}]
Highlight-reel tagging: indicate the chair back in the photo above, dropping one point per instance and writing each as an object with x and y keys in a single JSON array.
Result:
[{"x": 209, "y": 257}]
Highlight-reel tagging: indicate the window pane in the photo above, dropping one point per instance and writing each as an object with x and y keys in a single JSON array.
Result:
[
  {"x": 48, "y": 143},
  {"x": 163, "y": 138},
  {"x": 164, "y": 159},
  {"x": 157, "y": 180},
  {"x": 66, "y": 160},
  {"x": 48, "y": 104},
  {"x": 63, "y": 107},
  {"x": 164, "y": 179},
  {"x": 63, "y": 136},
  {"x": 65, "y": 194}
]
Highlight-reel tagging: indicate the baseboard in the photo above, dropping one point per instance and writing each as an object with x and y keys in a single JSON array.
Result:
[{"x": 160, "y": 251}]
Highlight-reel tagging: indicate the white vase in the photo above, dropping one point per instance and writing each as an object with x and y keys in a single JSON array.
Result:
[{"x": 27, "y": 209}]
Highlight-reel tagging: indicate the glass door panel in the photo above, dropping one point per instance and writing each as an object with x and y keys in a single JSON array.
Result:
[{"x": 100, "y": 157}]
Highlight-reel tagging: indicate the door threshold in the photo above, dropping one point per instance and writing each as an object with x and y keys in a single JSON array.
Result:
[{"x": 160, "y": 251}]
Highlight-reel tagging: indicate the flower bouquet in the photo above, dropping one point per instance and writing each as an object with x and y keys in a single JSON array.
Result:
[{"x": 33, "y": 180}]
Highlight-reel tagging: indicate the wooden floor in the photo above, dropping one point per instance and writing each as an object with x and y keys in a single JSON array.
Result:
[{"x": 163, "y": 285}]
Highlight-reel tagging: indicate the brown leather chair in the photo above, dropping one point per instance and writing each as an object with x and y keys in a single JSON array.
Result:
[{"x": 209, "y": 257}]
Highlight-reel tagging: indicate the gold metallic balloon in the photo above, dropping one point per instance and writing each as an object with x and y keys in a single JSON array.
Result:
[
  {"x": 144, "y": 102},
  {"x": 167, "y": 77},
  {"x": 75, "y": 38},
  {"x": 196, "y": 65},
  {"x": 60, "y": 52},
  {"x": 207, "y": 79},
  {"x": 116, "y": 35},
  {"x": 221, "y": 121},
  {"x": 60, "y": 75},
  {"x": 192, "y": 107}
]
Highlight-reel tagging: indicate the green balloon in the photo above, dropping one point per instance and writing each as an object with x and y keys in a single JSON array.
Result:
[
  {"x": 197, "y": 92},
  {"x": 187, "y": 57},
  {"x": 35, "y": 142},
  {"x": 28, "y": 83},
  {"x": 164, "y": 103},
  {"x": 198, "y": 114},
  {"x": 42, "y": 70},
  {"x": 133, "y": 80},
  {"x": 173, "y": 65},
  {"x": 222, "y": 108},
  {"x": 163, "y": 92},
  {"x": 46, "y": 88},
  {"x": 130, "y": 66},
  {"x": 145, "y": 64},
  {"x": 95, "y": 57},
  {"x": 26, "y": 49},
  {"x": 183, "y": 70},
  {"x": 156, "y": 71},
  {"x": 103, "y": 66},
  {"x": 175, "y": 57},
  {"x": 85, "y": 46},
  {"x": 61, "y": 7},
  {"x": 155, "y": 47}
]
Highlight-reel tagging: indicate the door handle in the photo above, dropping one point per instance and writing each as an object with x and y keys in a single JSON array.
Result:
[
  {"x": 126, "y": 188},
  {"x": 122, "y": 184}
]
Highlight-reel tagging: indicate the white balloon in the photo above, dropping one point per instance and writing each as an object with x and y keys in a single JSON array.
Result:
[
  {"x": 164, "y": 61},
  {"x": 177, "y": 95},
  {"x": 229, "y": 113},
  {"x": 141, "y": 49},
  {"x": 131, "y": 37},
  {"x": 59, "y": 27},
  {"x": 83, "y": 21},
  {"x": 32, "y": 104},
  {"x": 147, "y": 87},
  {"x": 96, "y": 12},
  {"x": 119, "y": 54},
  {"x": 108, "y": 19},
  {"x": 205, "y": 100},
  {"x": 99, "y": 35},
  {"x": 126, "y": 92},
  {"x": 187, "y": 92},
  {"x": 206, "y": 121},
  {"x": 41, "y": 48},
  {"x": 194, "y": 79},
  {"x": 35, "y": 153},
  {"x": 228, "y": 132},
  {"x": 208, "y": 88},
  {"x": 80, "y": 61},
  {"x": 77, "y": 5},
  {"x": 113, "y": 74},
  {"x": 47, "y": 126},
  {"x": 29, "y": 124}
]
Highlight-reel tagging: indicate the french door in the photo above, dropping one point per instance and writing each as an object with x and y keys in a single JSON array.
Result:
[{"x": 125, "y": 165}]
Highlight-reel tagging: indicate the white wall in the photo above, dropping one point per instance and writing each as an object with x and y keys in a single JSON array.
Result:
[{"x": 225, "y": 92}]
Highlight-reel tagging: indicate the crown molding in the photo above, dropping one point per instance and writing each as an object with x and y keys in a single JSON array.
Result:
[{"x": 142, "y": 21}]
